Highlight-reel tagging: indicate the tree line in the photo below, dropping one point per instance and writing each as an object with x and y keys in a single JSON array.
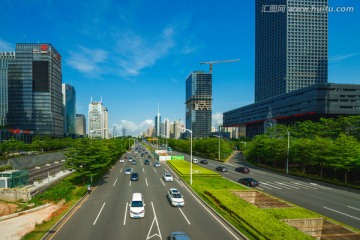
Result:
[{"x": 328, "y": 149}]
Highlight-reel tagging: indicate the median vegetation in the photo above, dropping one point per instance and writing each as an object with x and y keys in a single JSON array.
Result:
[{"x": 255, "y": 222}]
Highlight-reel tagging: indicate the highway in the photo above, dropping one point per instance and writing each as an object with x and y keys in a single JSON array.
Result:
[
  {"x": 104, "y": 213},
  {"x": 331, "y": 201}
]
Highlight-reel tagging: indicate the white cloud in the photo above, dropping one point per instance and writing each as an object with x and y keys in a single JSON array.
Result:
[
  {"x": 217, "y": 119},
  {"x": 6, "y": 47},
  {"x": 132, "y": 128},
  {"x": 137, "y": 53},
  {"x": 87, "y": 60},
  {"x": 339, "y": 58}
]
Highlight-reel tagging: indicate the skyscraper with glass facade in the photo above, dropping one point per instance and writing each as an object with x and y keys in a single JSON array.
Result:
[
  {"x": 34, "y": 90},
  {"x": 69, "y": 102},
  {"x": 291, "y": 46},
  {"x": 199, "y": 103},
  {"x": 5, "y": 58}
]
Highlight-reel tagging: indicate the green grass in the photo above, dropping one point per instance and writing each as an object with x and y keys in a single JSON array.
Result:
[
  {"x": 183, "y": 169},
  {"x": 254, "y": 222}
]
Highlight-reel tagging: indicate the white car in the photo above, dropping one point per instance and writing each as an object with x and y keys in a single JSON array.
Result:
[
  {"x": 128, "y": 171},
  {"x": 195, "y": 161},
  {"x": 122, "y": 160},
  {"x": 167, "y": 177},
  {"x": 137, "y": 206},
  {"x": 175, "y": 198}
]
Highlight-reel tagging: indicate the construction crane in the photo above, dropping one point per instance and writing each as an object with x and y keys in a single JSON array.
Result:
[{"x": 216, "y": 62}]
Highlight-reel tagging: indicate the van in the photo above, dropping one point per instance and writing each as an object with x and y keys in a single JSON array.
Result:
[{"x": 137, "y": 206}]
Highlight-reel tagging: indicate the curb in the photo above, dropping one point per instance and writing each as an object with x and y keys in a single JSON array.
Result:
[{"x": 24, "y": 212}]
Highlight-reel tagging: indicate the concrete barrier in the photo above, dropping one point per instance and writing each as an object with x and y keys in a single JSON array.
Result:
[{"x": 14, "y": 194}]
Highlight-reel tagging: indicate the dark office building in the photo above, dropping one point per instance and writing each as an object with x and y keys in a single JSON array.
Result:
[
  {"x": 34, "y": 90},
  {"x": 291, "y": 69},
  {"x": 327, "y": 100},
  {"x": 199, "y": 103},
  {"x": 291, "y": 50}
]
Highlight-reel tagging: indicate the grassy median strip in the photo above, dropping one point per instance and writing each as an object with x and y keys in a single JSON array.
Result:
[{"x": 257, "y": 223}]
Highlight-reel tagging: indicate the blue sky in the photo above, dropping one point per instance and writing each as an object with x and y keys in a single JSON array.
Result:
[{"x": 136, "y": 54}]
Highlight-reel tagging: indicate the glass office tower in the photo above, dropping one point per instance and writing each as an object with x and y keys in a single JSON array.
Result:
[
  {"x": 199, "y": 103},
  {"x": 291, "y": 49},
  {"x": 69, "y": 101},
  {"x": 35, "y": 80},
  {"x": 5, "y": 58}
]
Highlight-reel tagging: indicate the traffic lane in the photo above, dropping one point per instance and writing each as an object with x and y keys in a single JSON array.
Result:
[
  {"x": 91, "y": 217},
  {"x": 341, "y": 205},
  {"x": 194, "y": 218}
]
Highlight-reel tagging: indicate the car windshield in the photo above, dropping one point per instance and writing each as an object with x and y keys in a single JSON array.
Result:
[
  {"x": 177, "y": 195},
  {"x": 128, "y": 170},
  {"x": 136, "y": 204}
]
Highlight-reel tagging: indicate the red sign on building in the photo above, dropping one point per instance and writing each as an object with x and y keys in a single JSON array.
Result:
[{"x": 44, "y": 47}]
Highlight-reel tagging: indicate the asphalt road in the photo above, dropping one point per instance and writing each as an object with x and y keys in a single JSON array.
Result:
[
  {"x": 104, "y": 213},
  {"x": 331, "y": 201}
]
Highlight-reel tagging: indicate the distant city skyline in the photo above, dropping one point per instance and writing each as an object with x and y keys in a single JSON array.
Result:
[{"x": 136, "y": 54}]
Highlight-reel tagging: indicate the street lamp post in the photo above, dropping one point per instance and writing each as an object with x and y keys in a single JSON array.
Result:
[
  {"x": 219, "y": 146},
  {"x": 287, "y": 155},
  {"x": 190, "y": 153}
]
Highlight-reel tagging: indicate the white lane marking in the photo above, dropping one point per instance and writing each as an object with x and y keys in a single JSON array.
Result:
[
  {"x": 126, "y": 208},
  {"x": 304, "y": 185},
  {"x": 181, "y": 184},
  {"x": 121, "y": 170},
  {"x": 143, "y": 170},
  {"x": 154, "y": 169},
  {"x": 286, "y": 186},
  {"x": 146, "y": 182},
  {"x": 212, "y": 214},
  {"x": 315, "y": 184},
  {"x": 258, "y": 172},
  {"x": 99, "y": 213},
  {"x": 152, "y": 224},
  {"x": 115, "y": 182},
  {"x": 354, "y": 208},
  {"x": 185, "y": 216},
  {"x": 129, "y": 183},
  {"x": 264, "y": 187},
  {"x": 342, "y": 213},
  {"x": 162, "y": 181},
  {"x": 264, "y": 183}
]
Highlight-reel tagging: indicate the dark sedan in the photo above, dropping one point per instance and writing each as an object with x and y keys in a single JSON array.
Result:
[
  {"x": 134, "y": 177},
  {"x": 147, "y": 162},
  {"x": 204, "y": 161},
  {"x": 221, "y": 169},
  {"x": 249, "y": 182},
  {"x": 242, "y": 169}
]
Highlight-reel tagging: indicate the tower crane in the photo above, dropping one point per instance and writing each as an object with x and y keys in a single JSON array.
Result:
[{"x": 216, "y": 62}]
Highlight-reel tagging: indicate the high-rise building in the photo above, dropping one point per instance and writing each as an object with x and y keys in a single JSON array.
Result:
[
  {"x": 34, "y": 90},
  {"x": 199, "y": 103},
  {"x": 5, "y": 58},
  {"x": 80, "y": 125},
  {"x": 167, "y": 124},
  {"x": 178, "y": 129},
  {"x": 98, "y": 120},
  {"x": 158, "y": 123},
  {"x": 291, "y": 50},
  {"x": 69, "y": 102}
]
